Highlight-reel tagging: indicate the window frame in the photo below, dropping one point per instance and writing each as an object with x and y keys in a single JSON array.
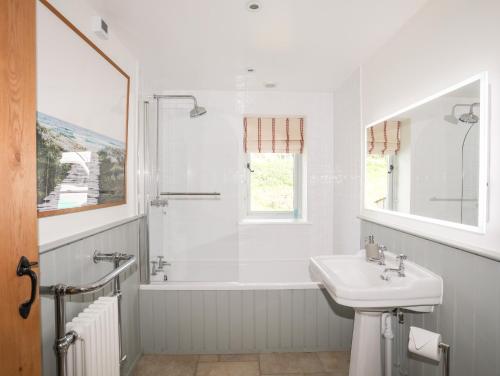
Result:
[{"x": 297, "y": 193}]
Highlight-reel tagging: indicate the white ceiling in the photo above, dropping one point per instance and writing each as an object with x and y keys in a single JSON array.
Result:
[{"x": 304, "y": 45}]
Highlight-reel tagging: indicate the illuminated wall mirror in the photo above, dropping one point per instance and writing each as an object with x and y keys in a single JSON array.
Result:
[{"x": 429, "y": 161}]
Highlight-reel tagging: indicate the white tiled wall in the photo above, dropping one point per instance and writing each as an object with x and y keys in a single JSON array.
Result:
[
  {"x": 347, "y": 165},
  {"x": 206, "y": 154}
]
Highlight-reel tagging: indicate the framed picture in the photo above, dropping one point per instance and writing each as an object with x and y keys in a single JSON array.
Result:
[{"x": 82, "y": 119}]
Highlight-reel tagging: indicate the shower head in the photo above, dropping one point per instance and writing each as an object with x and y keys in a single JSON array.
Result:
[
  {"x": 197, "y": 111},
  {"x": 466, "y": 118},
  {"x": 469, "y": 118}
]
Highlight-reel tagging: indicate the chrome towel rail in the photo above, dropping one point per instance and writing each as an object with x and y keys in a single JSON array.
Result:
[
  {"x": 59, "y": 292},
  {"x": 184, "y": 196}
]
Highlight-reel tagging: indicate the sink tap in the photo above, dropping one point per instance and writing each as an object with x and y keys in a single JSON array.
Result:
[{"x": 400, "y": 270}]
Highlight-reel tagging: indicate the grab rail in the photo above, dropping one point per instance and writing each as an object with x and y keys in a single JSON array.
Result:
[
  {"x": 59, "y": 291},
  {"x": 184, "y": 196},
  {"x": 190, "y": 194}
]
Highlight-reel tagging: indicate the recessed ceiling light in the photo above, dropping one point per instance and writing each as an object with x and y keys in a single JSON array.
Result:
[
  {"x": 269, "y": 85},
  {"x": 250, "y": 70},
  {"x": 253, "y": 6}
]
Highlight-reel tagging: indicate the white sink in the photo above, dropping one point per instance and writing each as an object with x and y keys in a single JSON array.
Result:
[{"x": 354, "y": 282}]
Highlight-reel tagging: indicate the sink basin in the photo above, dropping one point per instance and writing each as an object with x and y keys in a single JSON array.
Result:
[{"x": 354, "y": 282}]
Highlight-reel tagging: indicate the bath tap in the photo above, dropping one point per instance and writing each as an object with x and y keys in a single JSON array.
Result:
[
  {"x": 162, "y": 263},
  {"x": 154, "y": 270},
  {"x": 400, "y": 270}
]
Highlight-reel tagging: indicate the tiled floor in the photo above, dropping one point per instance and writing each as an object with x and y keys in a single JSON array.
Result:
[{"x": 275, "y": 364}]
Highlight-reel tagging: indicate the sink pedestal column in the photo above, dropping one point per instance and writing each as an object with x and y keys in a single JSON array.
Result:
[{"x": 365, "y": 350}]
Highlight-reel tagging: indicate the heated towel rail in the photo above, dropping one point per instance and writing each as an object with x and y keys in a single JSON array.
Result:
[{"x": 59, "y": 292}]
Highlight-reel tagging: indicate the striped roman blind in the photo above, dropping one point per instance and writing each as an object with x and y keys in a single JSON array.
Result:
[
  {"x": 273, "y": 134},
  {"x": 384, "y": 138}
]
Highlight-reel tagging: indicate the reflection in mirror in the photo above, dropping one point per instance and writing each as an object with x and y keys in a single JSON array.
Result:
[{"x": 425, "y": 161}]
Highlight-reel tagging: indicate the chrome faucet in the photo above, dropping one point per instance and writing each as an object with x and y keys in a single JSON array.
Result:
[
  {"x": 381, "y": 251},
  {"x": 162, "y": 263},
  {"x": 154, "y": 271},
  {"x": 400, "y": 270}
]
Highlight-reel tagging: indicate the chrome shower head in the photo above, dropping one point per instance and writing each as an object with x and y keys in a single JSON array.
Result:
[
  {"x": 197, "y": 111},
  {"x": 469, "y": 118}
]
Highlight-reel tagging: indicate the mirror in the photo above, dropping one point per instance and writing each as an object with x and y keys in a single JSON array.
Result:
[{"x": 428, "y": 161}]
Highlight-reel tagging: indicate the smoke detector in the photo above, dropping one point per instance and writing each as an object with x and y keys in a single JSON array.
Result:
[{"x": 253, "y": 6}]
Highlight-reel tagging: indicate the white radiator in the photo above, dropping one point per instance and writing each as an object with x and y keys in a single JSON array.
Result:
[{"x": 96, "y": 351}]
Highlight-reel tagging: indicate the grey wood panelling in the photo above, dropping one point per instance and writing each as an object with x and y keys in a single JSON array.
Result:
[
  {"x": 73, "y": 264},
  {"x": 468, "y": 319},
  {"x": 242, "y": 321}
]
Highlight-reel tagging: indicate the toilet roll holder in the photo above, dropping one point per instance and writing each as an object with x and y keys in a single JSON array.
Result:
[{"x": 445, "y": 350}]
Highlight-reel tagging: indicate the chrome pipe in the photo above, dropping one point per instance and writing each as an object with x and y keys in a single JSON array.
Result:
[
  {"x": 445, "y": 349},
  {"x": 144, "y": 254},
  {"x": 60, "y": 317},
  {"x": 175, "y": 96},
  {"x": 97, "y": 285},
  {"x": 157, "y": 147}
]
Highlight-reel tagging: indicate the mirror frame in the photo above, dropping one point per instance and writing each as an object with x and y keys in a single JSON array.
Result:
[{"x": 390, "y": 218}]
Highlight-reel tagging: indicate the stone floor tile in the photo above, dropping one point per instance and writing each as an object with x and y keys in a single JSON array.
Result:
[
  {"x": 209, "y": 358},
  {"x": 334, "y": 360},
  {"x": 228, "y": 369},
  {"x": 166, "y": 365},
  {"x": 239, "y": 358},
  {"x": 283, "y": 363}
]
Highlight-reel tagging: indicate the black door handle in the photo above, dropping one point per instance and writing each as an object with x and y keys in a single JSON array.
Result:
[{"x": 24, "y": 268}]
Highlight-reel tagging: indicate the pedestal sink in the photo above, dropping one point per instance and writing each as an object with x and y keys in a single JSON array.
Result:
[{"x": 354, "y": 282}]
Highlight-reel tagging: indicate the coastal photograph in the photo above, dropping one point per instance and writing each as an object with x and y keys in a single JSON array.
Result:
[{"x": 77, "y": 167}]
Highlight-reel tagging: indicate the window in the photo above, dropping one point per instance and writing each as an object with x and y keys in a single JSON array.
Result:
[
  {"x": 273, "y": 148},
  {"x": 380, "y": 172},
  {"x": 274, "y": 185}
]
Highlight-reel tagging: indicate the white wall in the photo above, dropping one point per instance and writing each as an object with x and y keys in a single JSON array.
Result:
[
  {"x": 347, "y": 151},
  {"x": 206, "y": 154},
  {"x": 426, "y": 56},
  {"x": 57, "y": 227}
]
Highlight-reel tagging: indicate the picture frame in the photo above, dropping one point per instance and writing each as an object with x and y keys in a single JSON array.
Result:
[{"x": 82, "y": 120}]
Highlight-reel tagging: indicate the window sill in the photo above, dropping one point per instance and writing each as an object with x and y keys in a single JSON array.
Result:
[{"x": 277, "y": 221}]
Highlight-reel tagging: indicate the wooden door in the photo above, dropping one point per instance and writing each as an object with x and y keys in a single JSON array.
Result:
[{"x": 19, "y": 337}]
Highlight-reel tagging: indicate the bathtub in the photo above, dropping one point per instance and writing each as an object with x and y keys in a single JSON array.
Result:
[
  {"x": 246, "y": 275},
  {"x": 272, "y": 306}
]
